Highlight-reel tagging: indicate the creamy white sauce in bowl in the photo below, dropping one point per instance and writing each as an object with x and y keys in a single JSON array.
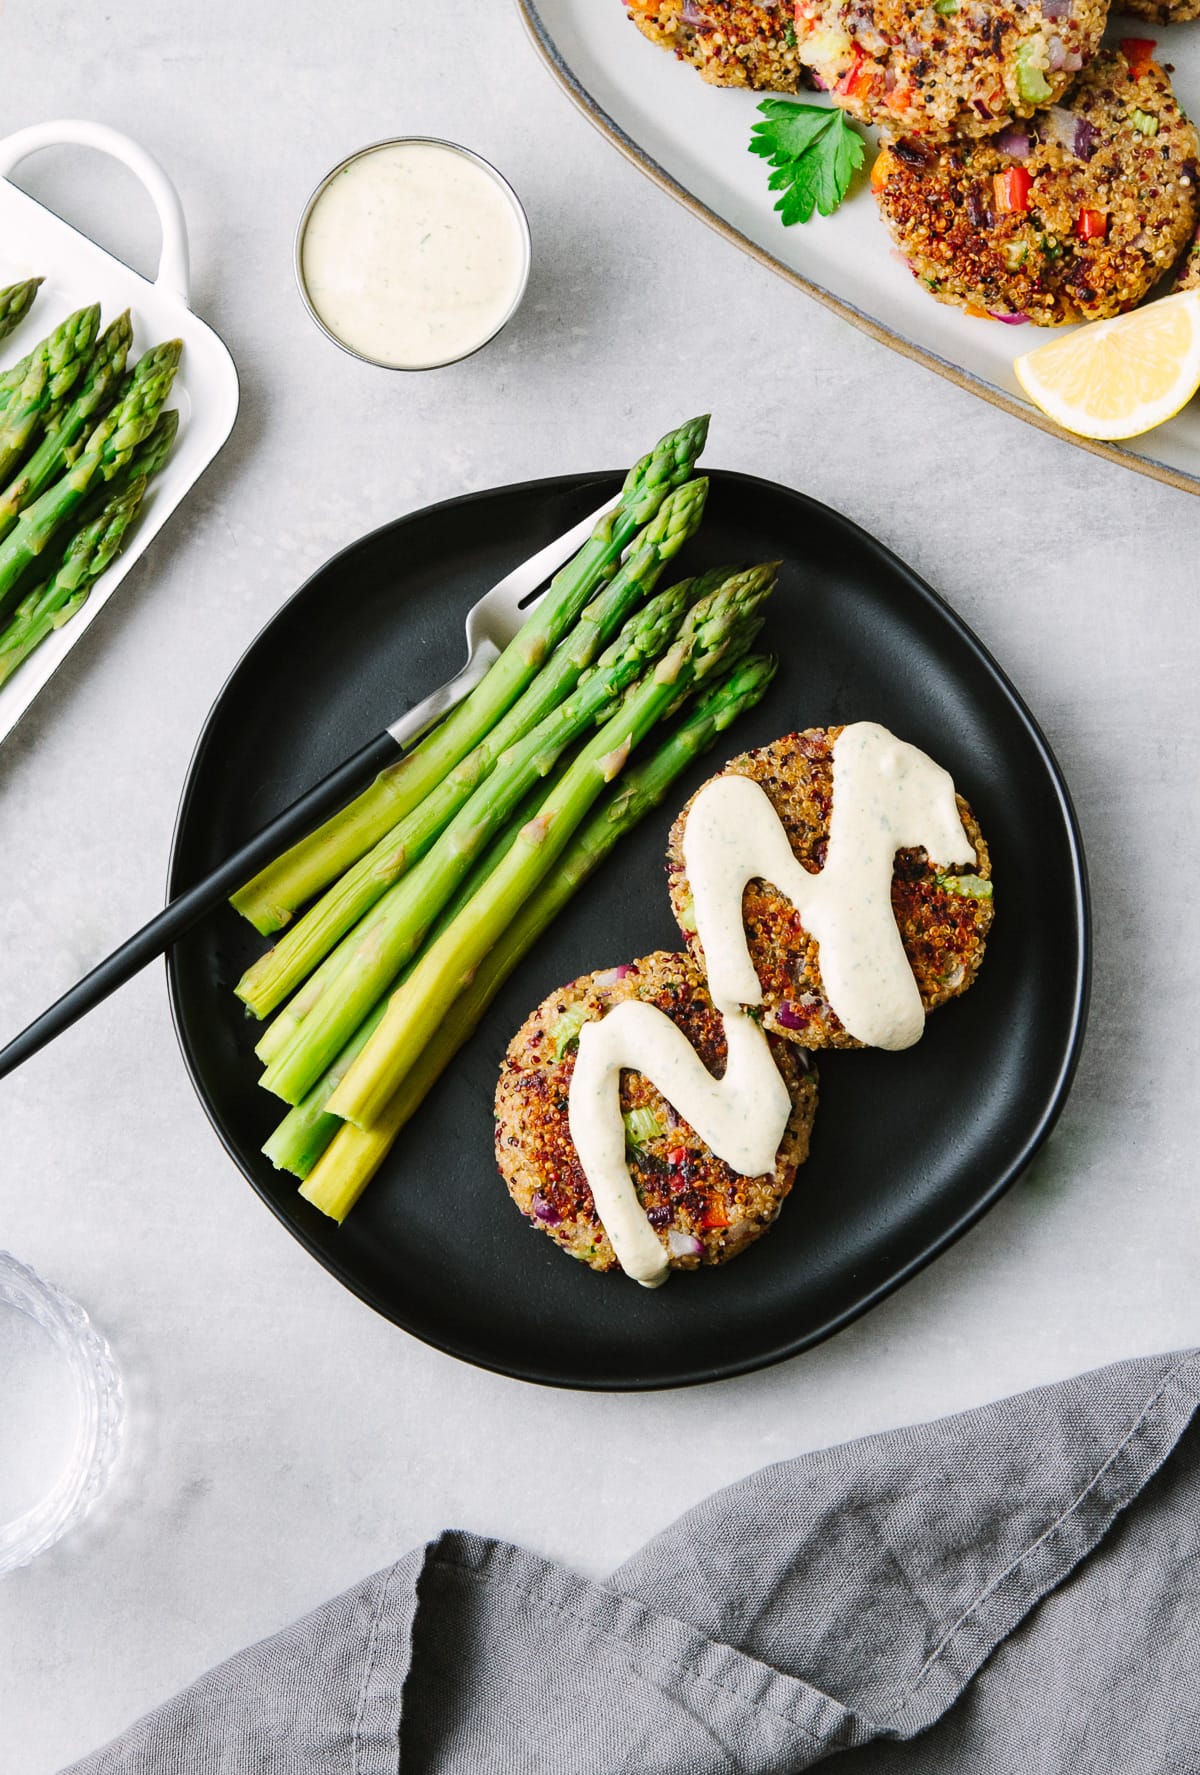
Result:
[{"x": 413, "y": 253}]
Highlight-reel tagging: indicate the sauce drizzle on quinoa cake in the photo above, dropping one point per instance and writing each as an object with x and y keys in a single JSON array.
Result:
[{"x": 893, "y": 797}]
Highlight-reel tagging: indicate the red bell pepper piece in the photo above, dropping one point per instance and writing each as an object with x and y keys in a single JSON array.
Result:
[
  {"x": 1091, "y": 225},
  {"x": 715, "y": 1215},
  {"x": 1138, "y": 52},
  {"x": 1012, "y": 190},
  {"x": 854, "y": 81}
]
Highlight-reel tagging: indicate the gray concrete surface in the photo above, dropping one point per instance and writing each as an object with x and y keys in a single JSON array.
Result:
[{"x": 283, "y": 1440}]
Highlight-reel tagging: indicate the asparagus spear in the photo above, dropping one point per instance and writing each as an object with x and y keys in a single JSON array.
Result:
[
  {"x": 718, "y": 627},
  {"x": 306, "y": 1130},
  {"x": 283, "y": 1027},
  {"x": 375, "y": 952},
  {"x": 310, "y": 865},
  {"x": 339, "y": 1160},
  {"x": 304, "y": 1133},
  {"x": 277, "y": 973},
  {"x": 56, "y": 602},
  {"x": 58, "y": 447},
  {"x": 15, "y": 303},
  {"x": 11, "y": 380},
  {"x": 108, "y": 449},
  {"x": 152, "y": 452},
  {"x": 54, "y": 368}
]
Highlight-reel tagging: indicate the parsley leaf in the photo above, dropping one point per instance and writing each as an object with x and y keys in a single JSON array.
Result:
[{"x": 815, "y": 153}]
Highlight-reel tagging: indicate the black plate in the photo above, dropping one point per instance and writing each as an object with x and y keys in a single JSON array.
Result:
[{"x": 909, "y": 1149}]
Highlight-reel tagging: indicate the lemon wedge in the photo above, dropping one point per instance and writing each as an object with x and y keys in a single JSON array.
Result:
[{"x": 1118, "y": 378}]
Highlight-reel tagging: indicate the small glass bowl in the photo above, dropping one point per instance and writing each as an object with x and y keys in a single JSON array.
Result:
[
  {"x": 87, "y": 1360},
  {"x": 518, "y": 210}
]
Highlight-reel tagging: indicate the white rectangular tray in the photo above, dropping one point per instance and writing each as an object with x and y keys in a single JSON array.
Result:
[{"x": 33, "y": 242}]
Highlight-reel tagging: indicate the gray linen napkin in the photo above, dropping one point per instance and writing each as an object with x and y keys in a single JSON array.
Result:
[{"x": 957, "y": 1597}]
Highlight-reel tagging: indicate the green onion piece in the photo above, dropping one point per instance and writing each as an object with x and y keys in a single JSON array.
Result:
[
  {"x": 971, "y": 887},
  {"x": 1144, "y": 122},
  {"x": 565, "y": 1033},
  {"x": 642, "y": 1126}
]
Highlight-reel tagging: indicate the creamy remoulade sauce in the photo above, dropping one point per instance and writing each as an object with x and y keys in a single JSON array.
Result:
[
  {"x": 413, "y": 254},
  {"x": 887, "y": 796}
]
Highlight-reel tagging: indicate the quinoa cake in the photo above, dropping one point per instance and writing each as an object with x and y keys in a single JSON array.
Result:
[
  {"x": 702, "y": 1210},
  {"x": 949, "y": 67},
  {"x": 943, "y": 919},
  {"x": 1162, "y": 12},
  {"x": 728, "y": 42},
  {"x": 1073, "y": 216}
]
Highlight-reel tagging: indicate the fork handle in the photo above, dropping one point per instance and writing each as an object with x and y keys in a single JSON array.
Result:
[
  {"x": 189, "y": 908},
  {"x": 439, "y": 702}
]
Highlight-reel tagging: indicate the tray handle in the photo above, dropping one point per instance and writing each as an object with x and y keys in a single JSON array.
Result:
[{"x": 173, "y": 274}]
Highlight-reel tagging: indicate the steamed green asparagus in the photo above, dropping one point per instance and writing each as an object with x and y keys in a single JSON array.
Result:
[
  {"x": 276, "y": 893},
  {"x": 338, "y": 1159},
  {"x": 63, "y": 436},
  {"x": 55, "y": 366},
  {"x": 718, "y": 628},
  {"x": 380, "y": 946},
  {"x": 15, "y": 303},
  {"x": 109, "y": 447},
  {"x": 55, "y": 603},
  {"x": 280, "y": 971}
]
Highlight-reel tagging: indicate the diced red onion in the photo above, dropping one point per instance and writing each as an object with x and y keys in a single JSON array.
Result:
[
  {"x": 610, "y": 976},
  {"x": 1015, "y": 141},
  {"x": 684, "y": 1244},
  {"x": 977, "y": 213},
  {"x": 1056, "y": 54},
  {"x": 1056, "y": 8},
  {"x": 1010, "y": 320},
  {"x": 788, "y": 1016},
  {"x": 1073, "y": 62},
  {"x": 545, "y": 1211},
  {"x": 816, "y": 81},
  {"x": 691, "y": 14},
  {"x": 1087, "y": 137}
]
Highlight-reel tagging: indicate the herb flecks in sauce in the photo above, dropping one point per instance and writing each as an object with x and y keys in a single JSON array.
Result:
[{"x": 413, "y": 256}]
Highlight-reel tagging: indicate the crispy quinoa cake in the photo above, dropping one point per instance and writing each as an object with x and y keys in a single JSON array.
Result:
[
  {"x": 943, "y": 919},
  {"x": 702, "y": 1211},
  {"x": 728, "y": 42},
  {"x": 947, "y": 67},
  {"x": 1162, "y": 12},
  {"x": 1072, "y": 217}
]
